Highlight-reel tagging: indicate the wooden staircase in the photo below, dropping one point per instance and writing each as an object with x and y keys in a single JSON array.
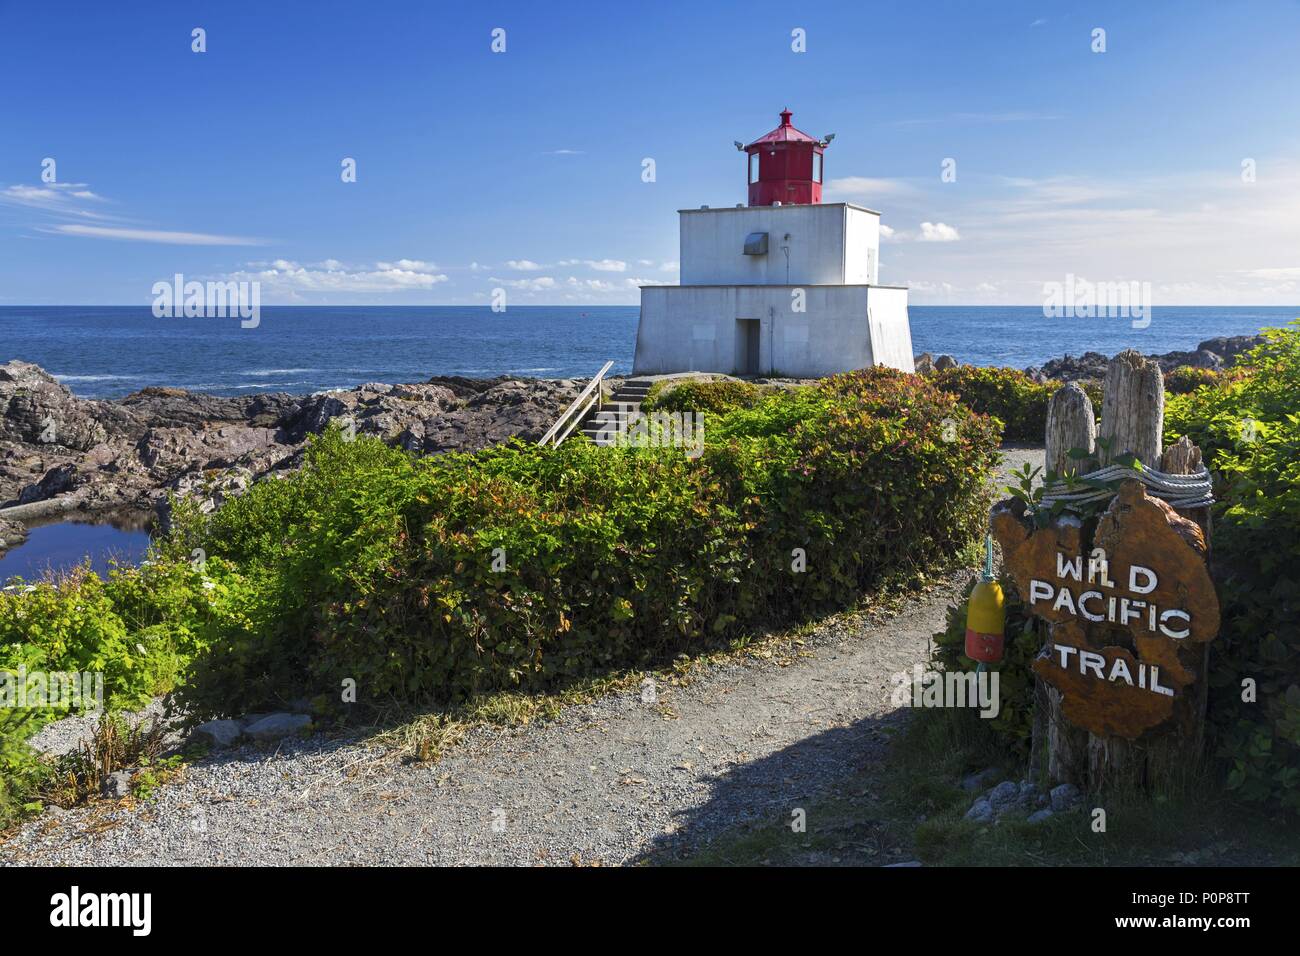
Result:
[{"x": 625, "y": 401}]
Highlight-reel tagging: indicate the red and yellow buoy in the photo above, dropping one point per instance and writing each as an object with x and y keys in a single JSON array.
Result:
[{"x": 986, "y": 614}]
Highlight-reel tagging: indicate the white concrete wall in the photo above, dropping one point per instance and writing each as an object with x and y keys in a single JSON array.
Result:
[
  {"x": 891, "y": 331},
  {"x": 861, "y": 246},
  {"x": 830, "y": 244},
  {"x": 844, "y": 327}
]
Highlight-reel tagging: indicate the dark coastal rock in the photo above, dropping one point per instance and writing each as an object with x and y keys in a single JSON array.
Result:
[
  {"x": 12, "y": 534},
  {"x": 57, "y": 481},
  {"x": 179, "y": 408},
  {"x": 1212, "y": 354},
  {"x": 137, "y": 451},
  {"x": 36, "y": 410},
  {"x": 926, "y": 363},
  {"x": 1228, "y": 347},
  {"x": 1069, "y": 368}
]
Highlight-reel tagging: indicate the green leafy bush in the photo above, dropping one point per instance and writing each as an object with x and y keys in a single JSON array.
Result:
[
  {"x": 375, "y": 566},
  {"x": 137, "y": 630},
  {"x": 1186, "y": 379},
  {"x": 1249, "y": 431},
  {"x": 1008, "y": 394},
  {"x": 695, "y": 395}
]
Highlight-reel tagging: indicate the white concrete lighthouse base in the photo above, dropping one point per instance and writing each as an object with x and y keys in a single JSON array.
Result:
[{"x": 807, "y": 331}]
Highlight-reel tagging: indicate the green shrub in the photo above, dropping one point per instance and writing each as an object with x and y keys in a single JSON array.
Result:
[
  {"x": 1186, "y": 379},
  {"x": 695, "y": 395},
  {"x": 1008, "y": 394},
  {"x": 137, "y": 629},
  {"x": 375, "y": 566},
  {"x": 1249, "y": 431}
]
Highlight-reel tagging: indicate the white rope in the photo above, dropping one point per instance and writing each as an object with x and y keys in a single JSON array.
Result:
[{"x": 1180, "y": 491}]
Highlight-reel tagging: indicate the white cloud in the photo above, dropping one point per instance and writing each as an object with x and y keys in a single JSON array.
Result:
[
  {"x": 540, "y": 284},
  {"x": 600, "y": 265},
  {"x": 1199, "y": 236},
  {"x": 1286, "y": 272},
  {"x": 938, "y": 232},
  {"x": 47, "y": 196},
  {"x": 886, "y": 232},
  {"x": 403, "y": 265},
  {"x": 155, "y": 235},
  {"x": 592, "y": 285},
  {"x": 284, "y": 277}
]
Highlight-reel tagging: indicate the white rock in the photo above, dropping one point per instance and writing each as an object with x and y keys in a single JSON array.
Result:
[
  {"x": 275, "y": 726},
  {"x": 1065, "y": 797},
  {"x": 218, "y": 733},
  {"x": 1003, "y": 796},
  {"x": 117, "y": 785},
  {"x": 981, "y": 812}
]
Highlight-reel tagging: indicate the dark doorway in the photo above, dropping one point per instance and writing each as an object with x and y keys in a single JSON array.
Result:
[{"x": 747, "y": 346}]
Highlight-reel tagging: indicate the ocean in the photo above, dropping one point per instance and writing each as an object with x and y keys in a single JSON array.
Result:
[{"x": 108, "y": 352}]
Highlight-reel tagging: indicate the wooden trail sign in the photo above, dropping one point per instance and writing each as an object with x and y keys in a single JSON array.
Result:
[
  {"x": 1125, "y": 600},
  {"x": 1122, "y": 608}
]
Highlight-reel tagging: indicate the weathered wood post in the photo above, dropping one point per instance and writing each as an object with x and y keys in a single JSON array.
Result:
[
  {"x": 1119, "y": 581},
  {"x": 1132, "y": 424},
  {"x": 1071, "y": 424}
]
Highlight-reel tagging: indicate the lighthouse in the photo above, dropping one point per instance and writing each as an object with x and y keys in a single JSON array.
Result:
[{"x": 784, "y": 285}]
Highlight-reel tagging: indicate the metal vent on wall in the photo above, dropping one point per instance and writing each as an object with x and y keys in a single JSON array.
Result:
[{"x": 756, "y": 244}]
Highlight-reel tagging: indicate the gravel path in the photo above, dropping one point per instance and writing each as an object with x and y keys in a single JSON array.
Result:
[{"x": 616, "y": 781}]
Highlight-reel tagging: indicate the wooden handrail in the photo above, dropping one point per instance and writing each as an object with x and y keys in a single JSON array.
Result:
[{"x": 584, "y": 400}]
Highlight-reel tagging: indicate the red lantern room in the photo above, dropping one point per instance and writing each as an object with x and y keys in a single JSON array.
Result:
[{"x": 785, "y": 166}]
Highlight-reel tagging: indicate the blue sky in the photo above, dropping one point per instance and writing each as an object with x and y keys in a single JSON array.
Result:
[{"x": 522, "y": 170}]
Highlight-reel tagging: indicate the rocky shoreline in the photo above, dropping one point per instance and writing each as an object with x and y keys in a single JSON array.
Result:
[
  {"x": 59, "y": 452},
  {"x": 1216, "y": 353}
]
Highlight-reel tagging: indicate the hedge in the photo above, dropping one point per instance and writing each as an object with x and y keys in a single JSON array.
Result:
[
  {"x": 1008, "y": 394},
  {"x": 714, "y": 397},
  {"x": 373, "y": 565}
]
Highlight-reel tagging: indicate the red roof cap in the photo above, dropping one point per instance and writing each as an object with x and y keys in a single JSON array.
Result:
[{"x": 785, "y": 133}]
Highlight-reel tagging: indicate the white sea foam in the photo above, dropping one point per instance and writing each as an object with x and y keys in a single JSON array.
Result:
[{"x": 95, "y": 378}]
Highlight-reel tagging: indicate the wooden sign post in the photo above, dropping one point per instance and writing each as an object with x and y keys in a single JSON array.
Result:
[{"x": 1122, "y": 592}]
